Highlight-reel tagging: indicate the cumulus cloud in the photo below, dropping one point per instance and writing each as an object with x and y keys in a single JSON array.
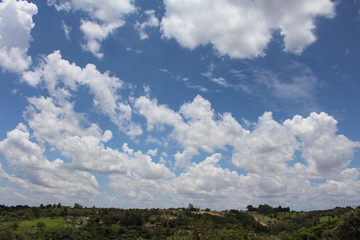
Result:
[
  {"x": 266, "y": 149},
  {"x": 83, "y": 143},
  {"x": 195, "y": 127},
  {"x": 242, "y": 29},
  {"x": 325, "y": 152},
  {"x": 207, "y": 179},
  {"x": 264, "y": 156},
  {"x": 34, "y": 171},
  {"x": 55, "y": 72},
  {"x": 106, "y": 16},
  {"x": 56, "y": 125},
  {"x": 134, "y": 191},
  {"x": 279, "y": 158},
  {"x": 15, "y": 26}
]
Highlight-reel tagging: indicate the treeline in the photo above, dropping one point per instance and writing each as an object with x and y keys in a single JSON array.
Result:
[
  {"x": 77, "y": 222},
  {"x": 267, "y": 209}
]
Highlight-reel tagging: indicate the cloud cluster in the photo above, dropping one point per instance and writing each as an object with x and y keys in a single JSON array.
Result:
[
  {"x": 15, "y": 26},
  {"x": 104, "y": 18},
  {"x": 279, "y": 159},
  {"x": 207, "y": 179},
  {"x": 196, "y": 154},
  {"x": 265, "y": 149},
  {"x": 195, "y": 127},
  {"x": 242, "y": 29},
  {"x": 61, "y": 79},
  {"x": 271, "y": 159},
  {"x": 55, "y": 126},
  {"x": 325, "y": 152},
  {"x": 34, "y": 171}
]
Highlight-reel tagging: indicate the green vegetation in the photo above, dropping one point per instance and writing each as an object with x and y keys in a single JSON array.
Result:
[
  {"x": 32, "y": 225},
  {"x": 260, "y": 223}
]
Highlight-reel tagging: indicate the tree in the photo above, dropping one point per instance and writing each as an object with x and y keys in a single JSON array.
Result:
[
  {"x": 265, "y": 209},
  {"x": 77, "y": 206},
  {"x": 347, "y": 228},
  {"x": 64, "y": 211},
  {"x": 192, "y": 208},
  {"x": 250, "y": 208},
  {"x": 36, "y": 212}
]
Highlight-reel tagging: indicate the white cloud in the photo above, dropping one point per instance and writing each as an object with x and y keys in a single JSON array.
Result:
[
  {"x": 350, "y": 174},
  {"x": 266, "y": 149},
  {"x": 242, "y": 29},
  {"x": 325, "y": 152},
  {"x": 339, "y": 192},
  {"x": 133, "y": 191},
  {"x": 152, "y": 152},
  {"x": 221, "y": 81},
  {"x": 137, "y": 181},
  {"x": 157, "y": 115},
  {"x": 107, "y": 136},
  {"x": 105, "y": 10},
  {"x": 296, "y": 20},
  {"x": 143, "y": 165},
  {"x": 15, "y": 26},
  {"x": 151, "y": 21},
  {"x": 195, "y": 126},
  {"x": 279, "y": 159},
  {"x": 106, "y": 16},
  {"x": 56, "y": 125},
  {"x": 55, "y": 72},
  {"x": 83, "y": 143},
  {"x": 11, "y": 197},
  {"x": 95, "y": 33},
  {"x": 207, "y": 179},
  {"x": 35, "y": 172}
]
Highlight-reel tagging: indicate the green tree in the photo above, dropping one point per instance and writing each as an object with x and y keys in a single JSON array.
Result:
[
  {"x": 265, "y": 209},
  {"x": 77, "y": 206},
  {"x": 347, "y": 228}
]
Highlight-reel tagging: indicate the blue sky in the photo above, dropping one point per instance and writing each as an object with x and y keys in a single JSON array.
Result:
[{"x": 220, "y": 104}]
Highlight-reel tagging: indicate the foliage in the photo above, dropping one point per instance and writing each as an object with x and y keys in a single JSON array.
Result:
[
  {"x": 347, "y": 228},
  {"x": 55, "y": 221}
]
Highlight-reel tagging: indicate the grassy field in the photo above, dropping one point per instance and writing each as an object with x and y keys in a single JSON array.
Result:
[
  {"x": 31, "y": 225},
  {"x": 264, "y": 220}
]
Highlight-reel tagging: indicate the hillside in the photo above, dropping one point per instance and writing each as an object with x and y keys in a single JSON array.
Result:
[{"x": 63, "y": 222}]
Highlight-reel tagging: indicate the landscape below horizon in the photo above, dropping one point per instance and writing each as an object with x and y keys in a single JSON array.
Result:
[
  {"x": 157, "y": 104},
  {"x": 55, "y": 221}
]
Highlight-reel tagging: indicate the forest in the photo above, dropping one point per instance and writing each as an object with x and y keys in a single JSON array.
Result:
[{"x": 54, "y": 221}]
